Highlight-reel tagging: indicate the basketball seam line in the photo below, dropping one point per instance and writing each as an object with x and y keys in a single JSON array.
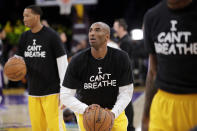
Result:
[{"x": 103, "y": 121}]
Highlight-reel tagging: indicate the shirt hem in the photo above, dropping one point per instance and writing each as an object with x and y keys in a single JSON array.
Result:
[{"x": 43, "y": 95}]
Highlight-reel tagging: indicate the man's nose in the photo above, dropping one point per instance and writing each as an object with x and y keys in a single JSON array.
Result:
[{"x": 92, "y": 33}]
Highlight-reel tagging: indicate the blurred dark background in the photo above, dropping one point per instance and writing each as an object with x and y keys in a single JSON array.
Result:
[
  {"x": 73, "y": 27},
  {"x": 105, "y": 10}
]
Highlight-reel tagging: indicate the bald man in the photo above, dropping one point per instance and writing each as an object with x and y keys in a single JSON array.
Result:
[{"x": 95, "y": 78}]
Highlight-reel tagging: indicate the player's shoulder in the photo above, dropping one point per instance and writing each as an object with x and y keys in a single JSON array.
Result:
[
  {"x": 194, "y": 2},
  {"x": 25, "y": 34},
  {"x": 156, "y": 10},
  {"x": 44, "y": 29},
  {"x": 49, "y": 30},
  {"x": 119, "y": 56},
  {"x": 80, "y": 56},
  {"x": 117, "y": 53}
]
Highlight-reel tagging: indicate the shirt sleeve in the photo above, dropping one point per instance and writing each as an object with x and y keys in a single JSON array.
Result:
[
  {"x": 57, "y": 45},
  {"x": 72, "y": 78},
  {"x": 148, "y": 41},
  {"x": 123, "y": 99},
  {"x": 62, "y": 64},
  {"x": 126, "y": 76},
  {"x": 67, "y": 98}
]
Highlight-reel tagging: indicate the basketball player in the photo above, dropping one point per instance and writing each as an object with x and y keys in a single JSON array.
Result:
[
  {"x": 99, "y": 76},
  {"x": 171, "y": 86},
  {"x": 46, "y": 61}
]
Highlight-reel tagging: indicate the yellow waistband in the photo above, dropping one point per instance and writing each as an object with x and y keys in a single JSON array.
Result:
[{"x": 177, "y": 96}]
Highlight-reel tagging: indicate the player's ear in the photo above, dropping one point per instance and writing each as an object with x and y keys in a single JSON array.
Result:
[
  {"x": 107, "y": 37},
  {"x": 37, "y": 17}
]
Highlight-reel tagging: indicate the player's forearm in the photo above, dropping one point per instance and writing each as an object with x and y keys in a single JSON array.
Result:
[
  {"x": 67, "y": 98},
  {"x": 62, "y": 64},
  {"x": 150, "y": 91},
  {"x": 123, "y": 99}
]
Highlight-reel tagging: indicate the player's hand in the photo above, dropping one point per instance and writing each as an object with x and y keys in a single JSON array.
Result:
[
  {"x": 145, "y": 123},
  {"x": 90, "y": 107},
  {"x": 62, "y": 107},
  {"x": 17, "y": 56}
]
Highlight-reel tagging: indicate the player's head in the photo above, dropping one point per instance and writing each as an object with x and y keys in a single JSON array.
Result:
[
  {"x": 32, "y": 15},
  {"x": 99, "y": 34},
  {"x": 178, "y": 4},
  {"x": 120, "y": 26}
]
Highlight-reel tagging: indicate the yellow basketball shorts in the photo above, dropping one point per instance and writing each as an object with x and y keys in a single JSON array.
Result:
[
  {"x": 120, "y": 123},
  {"x": 45, "y": 114},
  {"x": 173, "y": 112}
]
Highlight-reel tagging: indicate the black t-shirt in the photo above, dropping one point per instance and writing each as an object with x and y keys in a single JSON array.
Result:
[
  {"x": 40, "y": 51},
  {"x": 98, "y": 81},
  {"x": 172, "y": 36}
]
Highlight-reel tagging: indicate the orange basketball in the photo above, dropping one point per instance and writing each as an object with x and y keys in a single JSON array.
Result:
[
  {"x": 15, "y": 69},
  {"x": 97, "y": 120}
]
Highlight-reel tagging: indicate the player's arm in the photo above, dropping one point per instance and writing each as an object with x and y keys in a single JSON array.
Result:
[
  {"x": 69, "y": 87},
  {"x": 150, "y": 90},
  {"x": 62, "y": 64},
  {"x": 67, "y": 97},
  {"x": 123, "y": 99},
  {"x": 60, "y": 54},
  {"x": 19, "y": 53},
  {"x": 125, "y": 86}
]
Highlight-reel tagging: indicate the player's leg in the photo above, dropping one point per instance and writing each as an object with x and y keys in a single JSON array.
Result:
[
  {"x": 130, "y": 115},
  {"x": 156, "y": 112},
  {"x": 173, "y": 112},
  {"x": 186, "y": 108},
  {"x": 120, "y": 123},
  {"x": 80, "y": 122},
  {"x": 37, "y": 117},
  {"x": 54, "y": 115}
]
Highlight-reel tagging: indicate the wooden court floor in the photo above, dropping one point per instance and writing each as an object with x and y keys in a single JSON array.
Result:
[{"x": 14, "y": 114}]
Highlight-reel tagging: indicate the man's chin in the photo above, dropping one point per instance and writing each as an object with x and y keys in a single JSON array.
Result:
[
  {"x": 94, "y": 46},
  {"x": 27, "y": 25}
]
